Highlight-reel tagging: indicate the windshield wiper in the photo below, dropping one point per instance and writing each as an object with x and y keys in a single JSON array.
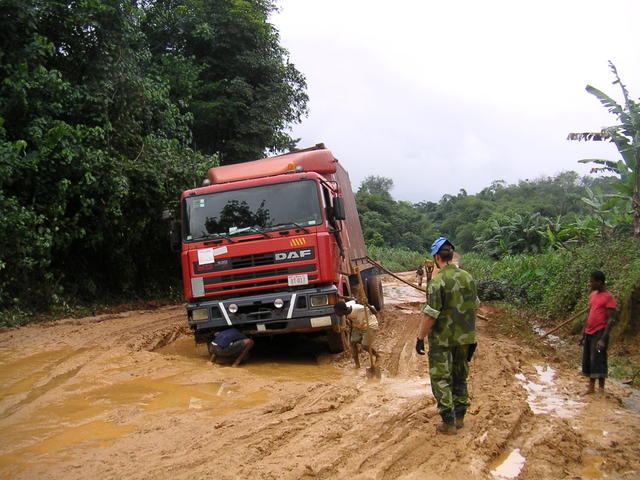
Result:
[
  {"x": 250, "y": 229},
  {"x": 210, "y": 236},
  {"x": 287, "y": 224}
]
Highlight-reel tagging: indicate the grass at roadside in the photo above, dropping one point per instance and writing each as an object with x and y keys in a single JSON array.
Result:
[
  {"x": 624, "y": 356},
  {"x": 397, "y": 259},
  {"x": 554, "y": 284},
  {"x": 18, "y": 318}
]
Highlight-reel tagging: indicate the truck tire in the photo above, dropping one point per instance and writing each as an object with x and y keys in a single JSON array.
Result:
[
  {"x": 338, "y": 341},
  {"x": 374, "y": 292}
]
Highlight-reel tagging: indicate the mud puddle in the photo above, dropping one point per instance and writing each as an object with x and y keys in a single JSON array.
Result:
[
  {"x": 281, "y": 359},
  {"x": 545, "y": 397},
  {"x": 102, "y": 399},
  {"x": 508, "y": 465},
  {"x": 592, "y": 465},
  {"x": 58, "y": 404},
  {"x": 400, "y": 294}
]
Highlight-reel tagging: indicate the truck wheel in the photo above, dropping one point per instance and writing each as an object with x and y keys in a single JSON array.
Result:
[
  {"x": 374, "y": 292},
  {"x": 338, "y": 341}
]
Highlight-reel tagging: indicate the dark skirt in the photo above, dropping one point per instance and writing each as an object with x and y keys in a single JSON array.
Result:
[{"x": 594, "y": 362}]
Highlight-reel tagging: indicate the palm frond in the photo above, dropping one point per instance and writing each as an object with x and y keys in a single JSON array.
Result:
[
  {"x": 625, "y": 92},
  {"x": 588, "y": 136},
  {"x": 606, "y": 100},
  {"x": 610, "y": 164}
]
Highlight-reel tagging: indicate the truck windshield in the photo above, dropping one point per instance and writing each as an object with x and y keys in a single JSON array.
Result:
[{"x": 252, "y": 210}]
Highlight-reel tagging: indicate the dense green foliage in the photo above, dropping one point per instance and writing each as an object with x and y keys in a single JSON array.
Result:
[
  {"x": 555, "y": 283},
  {"x": 529, "y": 216},
  {"x": 397, "y": 259},
  {"x": 108, "y": 110},
  {"x": 222, "y": 60}
]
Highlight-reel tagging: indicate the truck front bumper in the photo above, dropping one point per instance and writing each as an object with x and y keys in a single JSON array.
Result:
[{"x": 301, "y": 310}]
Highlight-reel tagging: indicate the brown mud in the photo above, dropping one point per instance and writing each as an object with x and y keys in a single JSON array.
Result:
[{"x": 128, "y": 395}]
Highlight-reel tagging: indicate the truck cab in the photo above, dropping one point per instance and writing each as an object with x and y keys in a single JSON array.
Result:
[{"x": 267, "y": 247}]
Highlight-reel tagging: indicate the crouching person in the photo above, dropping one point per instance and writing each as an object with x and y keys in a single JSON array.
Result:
[
  {"x": 360, "y": 334},
  {"x": 230, "y": 346}
]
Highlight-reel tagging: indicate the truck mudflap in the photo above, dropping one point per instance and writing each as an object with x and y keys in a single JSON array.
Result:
[{"x": 304, "y": 310}]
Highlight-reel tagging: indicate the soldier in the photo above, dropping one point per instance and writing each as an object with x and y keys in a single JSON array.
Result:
[
  {"x": 450, "y": 322},
  {"x": 419, "y": 275}
]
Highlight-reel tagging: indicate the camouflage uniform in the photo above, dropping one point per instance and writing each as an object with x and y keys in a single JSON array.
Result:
[{"x": 452, "y": 300}]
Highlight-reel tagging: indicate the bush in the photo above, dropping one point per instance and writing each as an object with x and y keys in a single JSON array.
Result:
[
  {"x": 397, "y": 259},
  {"x": 555, "y": 283},
  {"x": 491, "y": 289}
]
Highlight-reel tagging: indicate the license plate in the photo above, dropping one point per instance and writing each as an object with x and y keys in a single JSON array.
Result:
[{"x": 295, "y": 280}]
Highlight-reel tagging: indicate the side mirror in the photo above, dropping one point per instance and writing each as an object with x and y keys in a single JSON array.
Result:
[
  {"x": 338, "y": 208},
  {"x": 174, "y": 236}
]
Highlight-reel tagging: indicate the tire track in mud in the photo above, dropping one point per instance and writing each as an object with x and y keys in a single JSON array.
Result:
[
  {"x": 390, "y": 425},
  {"x": 47, "y": 375},
  {"x": 402, "y": 336},
  {"x": 260, "y": 424},
  {"x": 80, "y": 343}
]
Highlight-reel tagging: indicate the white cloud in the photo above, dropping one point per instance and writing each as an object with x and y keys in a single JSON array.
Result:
[{"x": 490, "y": 89}]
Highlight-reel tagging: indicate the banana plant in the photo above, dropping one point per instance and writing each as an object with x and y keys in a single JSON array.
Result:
[{"x": 626, "y": 137}]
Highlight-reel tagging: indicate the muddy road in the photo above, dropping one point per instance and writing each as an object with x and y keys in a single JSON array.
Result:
[{"x": 129, "y": 396}]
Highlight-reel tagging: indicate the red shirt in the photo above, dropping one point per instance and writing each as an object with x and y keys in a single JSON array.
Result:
[{"x": 599, "y": 302}]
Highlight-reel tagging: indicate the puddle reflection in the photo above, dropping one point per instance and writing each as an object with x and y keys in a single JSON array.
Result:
[
  {"x": 281, "y": 358},
  {"x": 507, "y": 465}
]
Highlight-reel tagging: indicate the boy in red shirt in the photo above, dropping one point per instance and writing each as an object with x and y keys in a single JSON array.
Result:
[{"x": 602, "y": 311}]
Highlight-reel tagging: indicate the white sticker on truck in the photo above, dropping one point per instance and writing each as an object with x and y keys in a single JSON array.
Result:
[
  {"x": 205, "y": 256},
  {"x": 220, "y": 251},
  {"x": 295, "y": 280}
]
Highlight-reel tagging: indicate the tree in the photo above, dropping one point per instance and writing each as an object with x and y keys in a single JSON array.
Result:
[
  {"x": 101, "y": 105},
  {"x": 376, "y": 185},
  {"x": 246, "y": 91},
  {"x": 626, "y": 137}
]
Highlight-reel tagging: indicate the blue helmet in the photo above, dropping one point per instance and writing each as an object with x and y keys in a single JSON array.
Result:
[{"x": 435, "y": 246}]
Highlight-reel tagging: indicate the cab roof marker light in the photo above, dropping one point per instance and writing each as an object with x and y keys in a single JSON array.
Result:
[{"x": 293, "y": 168}]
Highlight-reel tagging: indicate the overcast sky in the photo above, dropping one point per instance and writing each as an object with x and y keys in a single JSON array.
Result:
[{"x": 440, "y": 96}]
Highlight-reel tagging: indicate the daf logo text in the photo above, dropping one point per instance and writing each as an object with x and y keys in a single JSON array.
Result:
[{"x": 293, "y": 255}]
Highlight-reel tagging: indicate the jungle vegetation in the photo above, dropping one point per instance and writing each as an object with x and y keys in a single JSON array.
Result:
[{"x": 110, "y": 108}]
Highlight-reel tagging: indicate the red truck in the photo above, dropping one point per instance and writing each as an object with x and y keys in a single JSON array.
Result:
[{"x": 269, "y": 246}]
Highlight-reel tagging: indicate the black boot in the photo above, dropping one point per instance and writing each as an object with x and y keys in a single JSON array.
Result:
[{"x": 447, "y": 428}]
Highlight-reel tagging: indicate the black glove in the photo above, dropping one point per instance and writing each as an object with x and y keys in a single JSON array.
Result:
[
  {"x": 420, "y": 346},
  {"x": 472, "y": 349}
]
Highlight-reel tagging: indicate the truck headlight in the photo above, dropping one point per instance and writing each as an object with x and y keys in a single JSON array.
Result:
[
  {"x": 322, "y": 300},
  {"x": 278, "y": 303},
  {"x": 200, "y": 314},
  {"x": 233, "y": 308}
]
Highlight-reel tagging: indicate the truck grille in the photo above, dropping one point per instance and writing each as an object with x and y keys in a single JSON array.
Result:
[
  {"x": 256, "y": 260},
  {"x": 260, "y": 274},
  {"x": 234, "y": 270},
  {"x": 231, "y": 288}
]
